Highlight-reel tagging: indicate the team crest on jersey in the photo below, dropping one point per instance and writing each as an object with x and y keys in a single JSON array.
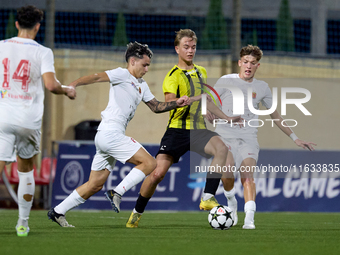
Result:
[{"x": 254, "y": 95}]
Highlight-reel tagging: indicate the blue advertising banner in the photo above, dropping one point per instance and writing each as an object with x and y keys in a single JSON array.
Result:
[{"x": 289, "y": 181}]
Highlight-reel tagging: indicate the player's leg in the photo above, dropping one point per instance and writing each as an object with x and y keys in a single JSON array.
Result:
[
  {"x": 174, "y": 144},
  {"x": 148, "y": 188},
  {"x": 2, "y": 166},
  {"x": 7, "y": 142},
  {"x": 95, "y": 183},
  {"x": 248, "y": 183},
  {"x": 27, "y": 144},
  {"x": 219, "y": 151},
  {"x": 26, "y": 190},
  {"x": 145, "y": 164},
  {"x": 228, "y": 180}
]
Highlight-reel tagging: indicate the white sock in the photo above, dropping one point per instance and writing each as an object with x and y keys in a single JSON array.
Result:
[
  {"x": 207, "y": 196},
  {"x": 230, "y": 195},
  {"x": 72, "y": 201},
  {"x": 26, "y": 191},
  {"x": 249, "y": 209},
  {"x": 132, "y": 179}
]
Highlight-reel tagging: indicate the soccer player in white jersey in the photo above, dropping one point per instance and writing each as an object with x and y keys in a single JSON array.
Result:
[
  {"x": 127, "y": 90},
  {"x": 242, "y": 142},
  {"x": 25, "y": 63}
]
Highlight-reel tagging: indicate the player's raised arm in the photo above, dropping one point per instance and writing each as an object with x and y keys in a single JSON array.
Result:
[
  {"x": 159, "y": 107},
  {"x": 278, "y": 120},
  {"x": 53, "y": 85},
  {"x": 90, "y": 79}
]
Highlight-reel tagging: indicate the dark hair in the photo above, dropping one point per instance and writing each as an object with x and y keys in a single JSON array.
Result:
[
  {"x": 184, "y": 33},
  {"x": 138, "y": 50},
  {"x": 255, "y": 51},
  {"x": 29, "y": 16}
]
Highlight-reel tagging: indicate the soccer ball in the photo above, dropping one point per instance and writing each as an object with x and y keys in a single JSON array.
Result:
[{"x": 220, "y": 217}]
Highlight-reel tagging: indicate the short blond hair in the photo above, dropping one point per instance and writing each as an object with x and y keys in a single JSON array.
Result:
[
  {"x": 255, "y": 51},
  {"x": 184, "y": 33}
]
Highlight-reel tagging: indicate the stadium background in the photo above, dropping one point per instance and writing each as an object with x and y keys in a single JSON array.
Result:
[{"x": 91, "y": 37}]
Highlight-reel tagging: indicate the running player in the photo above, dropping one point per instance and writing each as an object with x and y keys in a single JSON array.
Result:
[
  {"x": 127, "y": 90},
  {"x": 186, "y": 128},
  {"x": 242, "y": 142},
  {"x": 25, "y": 64}
]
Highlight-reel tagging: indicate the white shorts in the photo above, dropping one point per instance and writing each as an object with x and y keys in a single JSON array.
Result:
[
  {"x": 112, "y": 145},
  {"x": 242, "y": 149},
  {"x": 14, "y": 139}
]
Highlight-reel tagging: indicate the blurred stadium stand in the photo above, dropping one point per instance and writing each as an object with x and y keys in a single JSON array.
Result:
[{"x": 154, "y": 22}]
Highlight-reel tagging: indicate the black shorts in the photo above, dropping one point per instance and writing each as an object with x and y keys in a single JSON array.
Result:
[{"x": 176, "y": 142}]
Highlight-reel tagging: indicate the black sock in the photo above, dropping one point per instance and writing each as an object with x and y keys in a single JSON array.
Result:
[
  {"x": 141, "y": 203},
  {"x": 212, "y": 182}
]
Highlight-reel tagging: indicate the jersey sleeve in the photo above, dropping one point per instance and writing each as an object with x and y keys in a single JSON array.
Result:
[
  {"x": 170, "y": 85},
  {"x": 147, "y": 95},
  {"x": 267, "y": 100},
  {"x": 117, "y": 75},
  {"x": 47, "y": 61}
]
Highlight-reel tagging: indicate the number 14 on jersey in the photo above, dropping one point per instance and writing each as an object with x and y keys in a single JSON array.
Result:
[{"x": 21, "y": 74}]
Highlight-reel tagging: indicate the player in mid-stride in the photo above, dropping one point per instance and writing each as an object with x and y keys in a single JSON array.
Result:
[
  {"x": 127, "y": 90},
  {"x": 25, "y": 64},
  {"x": 186, "y": 128},
  {"x": 242, "y": 142}
]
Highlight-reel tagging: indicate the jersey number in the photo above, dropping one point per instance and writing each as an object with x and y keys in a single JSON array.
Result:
[{"x": 21, "y": 74}]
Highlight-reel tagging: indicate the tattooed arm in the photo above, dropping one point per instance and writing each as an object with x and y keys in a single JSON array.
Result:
[{"x": 159, "y": 107}]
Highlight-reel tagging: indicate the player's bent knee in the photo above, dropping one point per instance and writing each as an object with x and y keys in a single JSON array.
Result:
[
  {"x": 150, "y": 164},
  {"x": 248, "y": 181},
  {"x": 157, "y": 177},
  {"x": 221, "y": 151}
]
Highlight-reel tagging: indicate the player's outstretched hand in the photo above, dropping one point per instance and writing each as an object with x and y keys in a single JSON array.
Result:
[
  {"x": 305, "y": 145},
  {"x": 183, "y": 101},
  {"x": 70, "y": 91}
]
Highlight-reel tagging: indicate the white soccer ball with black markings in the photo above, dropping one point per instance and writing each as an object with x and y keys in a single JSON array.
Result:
[{"x": 220, "y": 217}]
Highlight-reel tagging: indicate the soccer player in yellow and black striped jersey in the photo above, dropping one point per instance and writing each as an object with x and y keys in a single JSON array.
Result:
[
  {"x": 186, "y": 128},
  {"x": 186, "y": 82}
]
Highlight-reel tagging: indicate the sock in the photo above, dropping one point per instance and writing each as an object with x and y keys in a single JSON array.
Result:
[
  {"x": 141, "y": 204},
  {"x": 230, "y": 195},
  {"x": 26, "y": 191},
  {"x": 132, "y": 179},
  {"x": 211, "y": 185},
  {"x": 249, "y": 209},
  {"x": 72, "y": 201}
]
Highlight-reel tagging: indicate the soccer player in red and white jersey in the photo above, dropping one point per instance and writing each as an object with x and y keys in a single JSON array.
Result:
[
  {"x": 25, "y": 66},
  {"x": 242, "y": 142},
  {"x": 127, "y": 90}
]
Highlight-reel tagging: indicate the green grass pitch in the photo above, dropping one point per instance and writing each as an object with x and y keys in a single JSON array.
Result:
[{"x": 104, "y": 232}]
